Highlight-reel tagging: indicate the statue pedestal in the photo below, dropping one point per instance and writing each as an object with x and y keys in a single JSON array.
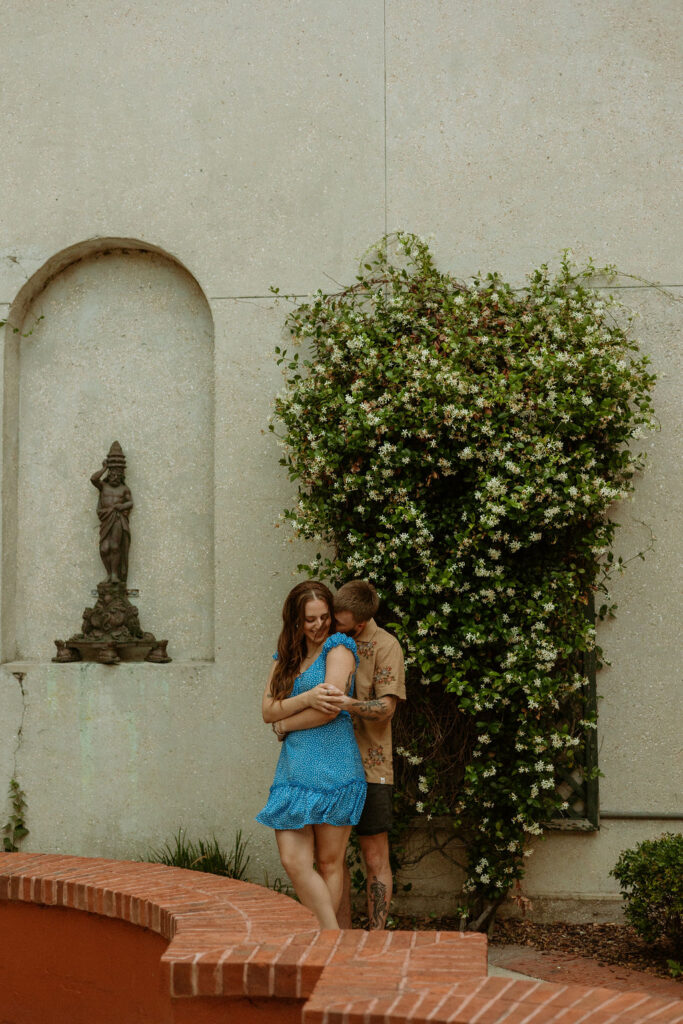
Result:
[{"x": 111, "y": 633}]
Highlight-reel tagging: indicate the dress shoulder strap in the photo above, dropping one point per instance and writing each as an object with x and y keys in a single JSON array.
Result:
[{"x": 340, "y": 640}]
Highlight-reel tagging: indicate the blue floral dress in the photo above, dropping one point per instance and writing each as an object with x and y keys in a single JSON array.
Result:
[{"x": 319, "y": 777}]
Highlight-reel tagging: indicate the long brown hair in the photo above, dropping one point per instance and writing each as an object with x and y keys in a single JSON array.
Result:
[{"x": 291, "y": 644}]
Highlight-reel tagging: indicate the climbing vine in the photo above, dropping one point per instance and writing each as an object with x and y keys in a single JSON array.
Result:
[
  {"x": 15, "y": 828},
  {"x": 462, "y": 445}
]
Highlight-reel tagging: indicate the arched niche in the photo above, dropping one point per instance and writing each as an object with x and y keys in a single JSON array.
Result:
[{"x": 111, "y": 340}]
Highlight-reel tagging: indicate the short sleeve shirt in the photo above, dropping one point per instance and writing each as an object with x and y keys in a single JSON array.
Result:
[{"x": 380, "y": 673}]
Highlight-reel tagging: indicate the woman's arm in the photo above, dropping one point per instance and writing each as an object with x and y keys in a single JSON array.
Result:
[
  {"x": 308, "y": 719},
  {"x": 318, "y": 698},
  {"x": 339, "y": 669}
]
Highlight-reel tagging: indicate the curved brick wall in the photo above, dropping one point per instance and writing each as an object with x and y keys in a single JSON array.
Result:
[{"x": 89, "y": 940}]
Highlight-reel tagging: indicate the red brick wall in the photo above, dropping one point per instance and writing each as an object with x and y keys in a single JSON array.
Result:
[{"x": 90, "y": 941}]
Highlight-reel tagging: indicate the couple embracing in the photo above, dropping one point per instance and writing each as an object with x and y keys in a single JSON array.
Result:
[{"x": 332, "y": 690}]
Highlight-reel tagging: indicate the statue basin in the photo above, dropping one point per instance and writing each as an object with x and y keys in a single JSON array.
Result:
[{"x": 112, "y": 652}]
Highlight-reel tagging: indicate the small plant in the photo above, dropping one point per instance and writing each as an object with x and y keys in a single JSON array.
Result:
[
  {"x": 280, "y": 885},
  {"x": 203, "y": 855},
  {"x": 651, "y": 881},
  {"x": 15, "y": 829}
]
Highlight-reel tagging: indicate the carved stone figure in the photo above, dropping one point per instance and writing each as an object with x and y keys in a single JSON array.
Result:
[
  {"x": 113, "y": 508},
  {"x": 113, "y": 617},
  {"x": 111, "y": 631}
]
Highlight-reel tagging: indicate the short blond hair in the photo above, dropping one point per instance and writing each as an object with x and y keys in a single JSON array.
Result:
[{"x": 358, "y": 597}]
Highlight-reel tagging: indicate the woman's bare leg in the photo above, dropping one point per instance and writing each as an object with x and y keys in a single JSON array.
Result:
[
  {"x": 330, "y": 850},
  {"x": 296, "y": 853}
]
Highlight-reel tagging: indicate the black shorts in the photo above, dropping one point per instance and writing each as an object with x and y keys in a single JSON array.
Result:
[{"x": 377, "y": 813}]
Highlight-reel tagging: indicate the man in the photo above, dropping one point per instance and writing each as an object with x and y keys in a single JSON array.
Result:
[{"x": 380, "y": 684}]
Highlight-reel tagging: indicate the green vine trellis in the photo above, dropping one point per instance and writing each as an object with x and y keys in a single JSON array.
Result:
[{"x": 462, "y": 446}]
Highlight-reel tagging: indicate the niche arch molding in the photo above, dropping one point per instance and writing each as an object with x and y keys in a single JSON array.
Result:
[{"x": 164, "y": 318}]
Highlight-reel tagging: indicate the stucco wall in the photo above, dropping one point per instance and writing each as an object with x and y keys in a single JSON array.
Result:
[{"x": 271, "y": 143}]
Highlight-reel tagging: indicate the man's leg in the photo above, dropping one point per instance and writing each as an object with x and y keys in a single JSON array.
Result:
[{"x": 375, "y": 850}]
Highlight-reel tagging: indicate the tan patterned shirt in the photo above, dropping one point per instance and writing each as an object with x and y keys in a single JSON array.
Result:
[{"x": 380, "y": 673}]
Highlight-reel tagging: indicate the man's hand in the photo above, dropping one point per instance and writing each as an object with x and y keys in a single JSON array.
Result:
[{"x": 326, "y": 697}]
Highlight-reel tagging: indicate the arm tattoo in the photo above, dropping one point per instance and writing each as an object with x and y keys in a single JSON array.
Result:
[
  {"x": 372, "y": 709},
  {"x": 378, "y": 903}
]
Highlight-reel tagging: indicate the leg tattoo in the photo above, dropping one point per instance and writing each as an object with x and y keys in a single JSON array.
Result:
[{"x": 378, "y": 904}]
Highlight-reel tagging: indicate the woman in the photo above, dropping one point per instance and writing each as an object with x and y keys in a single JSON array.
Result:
[{"x": 319, "y": 787}]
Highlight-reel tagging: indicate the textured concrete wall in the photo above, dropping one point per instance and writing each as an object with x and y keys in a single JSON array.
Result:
[{"x": 271, "y": 144}]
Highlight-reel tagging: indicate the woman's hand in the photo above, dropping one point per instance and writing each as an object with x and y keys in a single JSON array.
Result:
[
  {"x": 278, "y": 730},
  {"x": 325, "y": 697}
]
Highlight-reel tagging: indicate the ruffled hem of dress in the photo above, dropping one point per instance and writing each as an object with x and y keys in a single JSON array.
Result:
[{"x": 292, "y": 806}]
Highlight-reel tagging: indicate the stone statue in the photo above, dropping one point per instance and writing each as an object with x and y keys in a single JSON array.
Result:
[
  {"x": 111, "y": 631},
  {"x": 113, "y": 508}
]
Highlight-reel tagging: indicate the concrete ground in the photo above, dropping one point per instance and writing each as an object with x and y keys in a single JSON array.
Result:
[{"x": 526, "y": 962}]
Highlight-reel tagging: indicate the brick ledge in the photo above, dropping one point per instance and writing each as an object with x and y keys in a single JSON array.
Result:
[{"x": 230, "y": 939}]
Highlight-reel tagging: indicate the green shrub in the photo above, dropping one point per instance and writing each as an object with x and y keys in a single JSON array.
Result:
[
  {"x": 651, "y": 881},
  {"x": 203, "y": 856}
]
